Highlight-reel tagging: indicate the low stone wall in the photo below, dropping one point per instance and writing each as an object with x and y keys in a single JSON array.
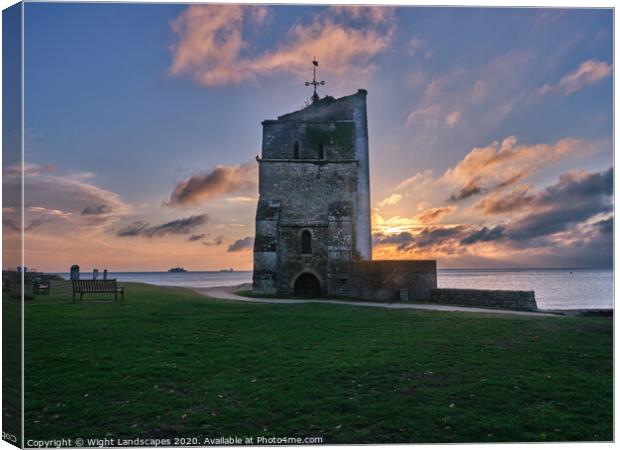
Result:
[
  {"x": 583, "y": 312},
  {"x": 519, "y": 300},
  {"x": 392, "y": 280}
]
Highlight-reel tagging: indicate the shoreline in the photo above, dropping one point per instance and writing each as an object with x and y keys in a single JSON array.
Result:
[
  {"x": 230, "y": 293},
  {"x": 560, "y": 302}
]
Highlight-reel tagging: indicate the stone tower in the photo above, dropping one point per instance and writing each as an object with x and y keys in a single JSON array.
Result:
[{"x": 313, "y": 214}]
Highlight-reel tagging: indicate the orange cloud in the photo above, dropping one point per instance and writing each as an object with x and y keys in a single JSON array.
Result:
[
  {"x": 210, "y": 42},
  {"x": 588, "y": 73},
  {"x": 428, "y": 115},
  {"x": 212, "y": 49},
  {"x": 372, "y": 14},
  {"x": 220, "y": 181},
  {"x": 453, "y": 118},
  {"x": 482, "y": 171},
  {"x": 62, "y": 203},
  {"x": 391, "y": 200},
  {"x": 570, "y": 220},
  {"x": 394, "y": 224},
  {"x": 434, "y": 215},
  {"x": 486, "y": 93},
  {"x": 501, "y": 164},
  {"x": 499, "y": 203}
]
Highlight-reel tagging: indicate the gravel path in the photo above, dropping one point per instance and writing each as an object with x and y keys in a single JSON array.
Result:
[{"x": 227, "y": 293}]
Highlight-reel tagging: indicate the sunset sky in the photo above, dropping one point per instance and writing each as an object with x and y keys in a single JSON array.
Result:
[{"x": 490, "y": 130}]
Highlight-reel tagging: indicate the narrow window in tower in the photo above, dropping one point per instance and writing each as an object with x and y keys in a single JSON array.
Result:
[
  {"x": 296, "y": 150},
  {"x": 321, "y": 151},
  {"x": 306, "y": 242}
]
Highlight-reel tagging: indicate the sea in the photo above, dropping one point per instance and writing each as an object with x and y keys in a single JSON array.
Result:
[{"x": 554, "y": 288}]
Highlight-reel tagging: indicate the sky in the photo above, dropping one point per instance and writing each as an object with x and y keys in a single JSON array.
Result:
[{"x": 490, "y": 130}]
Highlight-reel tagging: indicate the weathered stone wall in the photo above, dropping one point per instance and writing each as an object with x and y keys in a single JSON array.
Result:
[
  {"x": 518, "y": 300},
  {"x": 326, "y": 109},
  {"x": 296, "y": 262},
  {"x": 266, "y": 273},
  {"x": 306, "y": 189},
  {"x": 314, "y": 176},
  {"x": 340, "y": 246},
  {"x": 341, "y": 125},
  {"x": 318, "y": 196},
  {"x": 392, "y": 280},
  {"x": 363, "y": 231},
  {"x": 336, "y": 139}
]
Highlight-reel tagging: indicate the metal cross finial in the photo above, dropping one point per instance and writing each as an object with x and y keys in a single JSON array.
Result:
[{"x": 314, "y": 83}]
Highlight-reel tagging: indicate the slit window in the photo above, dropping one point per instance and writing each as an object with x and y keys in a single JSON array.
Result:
[
  {"x": 306, "y": 242},
  {"x": 321, "y": 151},
  {"x": 296, "y": 150}
]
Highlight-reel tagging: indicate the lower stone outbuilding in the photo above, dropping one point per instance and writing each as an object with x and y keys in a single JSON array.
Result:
[{"x": 403, "y": 280}]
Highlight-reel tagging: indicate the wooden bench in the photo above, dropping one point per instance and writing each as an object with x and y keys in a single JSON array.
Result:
[
  {"x": 41, "y": 285},
  {"x": 97, "y": 287}
]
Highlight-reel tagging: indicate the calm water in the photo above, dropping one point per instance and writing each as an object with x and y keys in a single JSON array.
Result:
[
  {"x": 186, "y": 279},
  {"x": 555, "y": 288}
]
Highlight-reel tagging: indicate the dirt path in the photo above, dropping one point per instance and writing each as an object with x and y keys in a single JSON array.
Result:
[{"x": 227, "y": 293}]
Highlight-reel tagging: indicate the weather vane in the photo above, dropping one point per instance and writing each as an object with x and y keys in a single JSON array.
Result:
[{"x": 314, "y": 83}]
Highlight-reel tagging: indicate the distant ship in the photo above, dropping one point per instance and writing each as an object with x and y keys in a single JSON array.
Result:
[
  {"x": 177, "y": 270},
  {"x": 227, "y": 270}
]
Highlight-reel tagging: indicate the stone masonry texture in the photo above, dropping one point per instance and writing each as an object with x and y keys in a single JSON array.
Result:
[
  {"x": 314, "y": 178},
  {"x": 519, "y": 300}
]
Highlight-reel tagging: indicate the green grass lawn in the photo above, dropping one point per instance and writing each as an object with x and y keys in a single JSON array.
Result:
[
  {"x": 11, "y": 369},
  {"x": 167, "y": 362}
]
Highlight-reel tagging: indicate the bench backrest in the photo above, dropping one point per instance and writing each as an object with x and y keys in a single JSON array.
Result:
[{"x": 94, "y": 285}]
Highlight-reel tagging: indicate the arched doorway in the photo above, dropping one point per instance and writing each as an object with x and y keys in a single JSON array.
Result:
[{"x": 307, "y": 285}]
